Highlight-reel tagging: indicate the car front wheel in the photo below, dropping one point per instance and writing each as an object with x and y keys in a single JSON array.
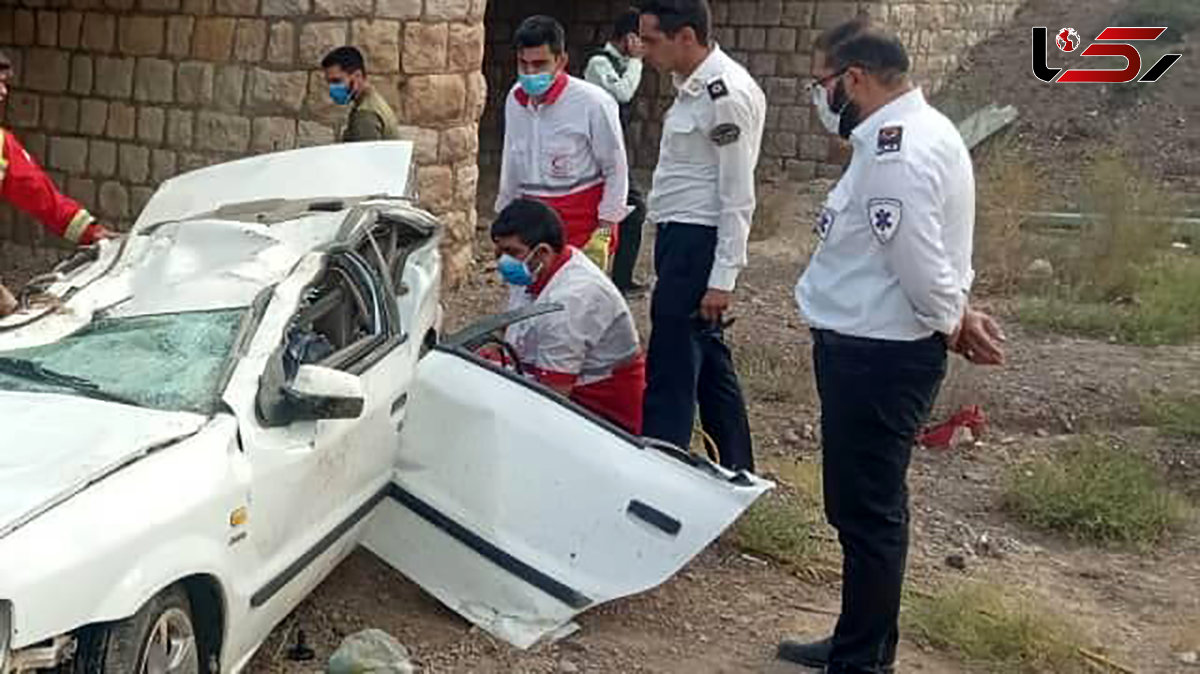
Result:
[{"x": 159, "y": 639}]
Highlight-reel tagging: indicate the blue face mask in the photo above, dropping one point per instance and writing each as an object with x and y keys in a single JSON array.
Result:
[
  {"x": 340, "y": 92},
  {"x": 515, "y": 272},
  {"x": 536, "y": 84}
]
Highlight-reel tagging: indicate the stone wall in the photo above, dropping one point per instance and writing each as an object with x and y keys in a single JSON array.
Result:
[
  {"x": 115, "y": 96},
  {"x": 773, "y": 39}
]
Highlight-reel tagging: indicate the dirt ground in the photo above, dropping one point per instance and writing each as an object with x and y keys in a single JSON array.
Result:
[{"x": 727, "y": 610}]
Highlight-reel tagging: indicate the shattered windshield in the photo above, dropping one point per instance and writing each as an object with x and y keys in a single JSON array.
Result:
[{"x": 169, "y": 362}]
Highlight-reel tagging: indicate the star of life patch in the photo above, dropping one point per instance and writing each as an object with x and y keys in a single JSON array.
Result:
[
  {"x": 884, "y": 216},
  {"x": 890, "y": 138},
  {"x": 824, "y": 222},
  {"x": 717, "y": 89},
  {"x": 724, "y": 134}
]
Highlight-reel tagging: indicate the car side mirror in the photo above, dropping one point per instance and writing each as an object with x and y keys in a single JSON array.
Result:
[{"x": 323, "y": 393}]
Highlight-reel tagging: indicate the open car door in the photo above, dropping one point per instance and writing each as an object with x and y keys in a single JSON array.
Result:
[{"x": 519, "y": 510}]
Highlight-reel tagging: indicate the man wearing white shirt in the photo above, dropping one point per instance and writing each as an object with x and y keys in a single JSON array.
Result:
[
  {"x": 885, "y": 295},
  {"x": 702, "y": 201},
  {"x": 563, "y": 143}
]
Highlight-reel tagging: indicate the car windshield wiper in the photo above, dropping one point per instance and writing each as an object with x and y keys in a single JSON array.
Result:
[{"x": 36, "y": 372}]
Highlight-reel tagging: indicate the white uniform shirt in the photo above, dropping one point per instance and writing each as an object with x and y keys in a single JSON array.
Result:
[
  {"x": 592, "y": 336},
  {"x": 706, "y": 160},
  {"x": 600, "y": 71},
  {"x": 894, "y": 260},
  {"x": 564, "y": 146}
]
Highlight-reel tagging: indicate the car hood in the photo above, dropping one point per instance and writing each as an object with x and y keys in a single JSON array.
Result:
[
  {"x": 56, "y": 445},
  {"x": 344, "y": 171}
]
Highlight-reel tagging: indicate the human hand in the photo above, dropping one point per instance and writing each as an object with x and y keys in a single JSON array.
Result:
[
  {"x": 714, "y": 304},
  {"x": 8, "y": 303},
  {"x": 100, "y": 231},
  {"x": 978, "y": 338}
]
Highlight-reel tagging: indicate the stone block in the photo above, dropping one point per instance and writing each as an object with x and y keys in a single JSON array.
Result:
[
  {"x": 426, "y": 141},
  {"x": 379, "y": 41},
  {"x": 800, "y": 170},
  {"x": 219, "y": 132},
  {"x": 278, "y": 91},
  {"x": 47, "y": 70},
  {"x": 466, "y": 46},
  {"x": 35, "y": 145},
  {"x": 60, "y": 113},
  {"x": 770, "y": 12},
  {"x": 133, "y": 163},
  {"x": 435, "y": 184},
  {"x": 270, "y": 134},
  {"x": 114, "y": 77},
  {"x": 114, "y": 200},
  {"x": 190, "y": 161},
  {"x": 82, "y": 74},
  {"x": 179, "y": 35},
  {"x": 281, "y": 46},
  {"x": 70, "y": 29},
  {"x": 155, "y": 81},
  {"x": 198, "y": 7},
  {"x": 82, "y": 190},
  {"x": 829, "y": 14},
  {"x": 152, "y": 125},
  {"x": 317, "y": 105},
  {"x": 452, "y": 10},
  {"x": 317, "y": 39},
  {"x": 466, "y": 183},
  {"x": 286, "y": 7},
  {"x": 425, "y": 47},
  {"x": 795, "y": 118},
  {"x": 763, "y": 64},
  {"x": 309, "y": 134},
  {"x": 99, "y": 32},
  {"x": 161, "y": 5},
  {"x": 47, "y": 28},
  {"x": 780, "y": 90},
  {"x": 122, "y": 121},
  {"x": 163, "y": 165},
  {"x": 194, "y": 83},
  {"x": 138, "y": 198},
  {"x": 180, "y": 125},
  {"x": 459, "y": 144},
  {"x": 342, "y": 7},
  {"x": 433, "y": 99},
  {"x": 795, "y": 65},
  {"x": 752, "y": 39},
  {"x": 236, "y": 7},
  {"x": 743, "y": 13},
  {"x": 228, "y": 86},
  {"x": 24, "y": 109},
  {"x": 142, "y": 35},
  {"x": 212, "y": 39},
  {"x": 780, "y": 144},
  {"x": 102, "y": 158},
  {"x": 120, "y": 5},
  {"x": 93, "y": 116},
  {"x": 399, "y": 9},
  {"x": 781, "y": 39},
  {"x": 24, "y": 27},
  {"x": 814, "y": 146},
  {"x": 68, "y": 154},
  {"x": 477, "y": 91},
  {"x": 250, "y": 40}
]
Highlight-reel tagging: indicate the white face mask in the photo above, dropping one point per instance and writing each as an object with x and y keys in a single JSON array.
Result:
[{"x": 829, "y": 119}]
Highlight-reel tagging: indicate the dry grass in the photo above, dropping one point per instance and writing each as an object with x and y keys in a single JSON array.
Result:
[
  {"x": 1007, "y": 185},
  {"x": 787, "y": 525},
  {"x": 774, "y": 373},
  {"x": 1179, "y": 416},
  {"x": 993, "y": 628},
  {"x": 1096, "y": 491}
]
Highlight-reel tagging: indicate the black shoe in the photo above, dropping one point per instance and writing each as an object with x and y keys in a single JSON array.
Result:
[{"x": 814, "y": 654}]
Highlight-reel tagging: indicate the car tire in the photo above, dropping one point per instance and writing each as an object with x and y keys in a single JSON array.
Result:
[{"x": 159, "y": 639}]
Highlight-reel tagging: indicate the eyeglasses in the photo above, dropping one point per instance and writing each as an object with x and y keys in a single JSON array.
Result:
[{"x": 822, "y": 81}]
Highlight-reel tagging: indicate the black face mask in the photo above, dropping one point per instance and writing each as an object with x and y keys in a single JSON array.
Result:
[{"x": 848, "y": 110}]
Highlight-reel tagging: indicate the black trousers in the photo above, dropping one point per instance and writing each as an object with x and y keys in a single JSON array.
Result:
[
  {"x": 688, "y": 361},
  {"x": 875, "y": 397},
  {"x": 629, "y": 241}
]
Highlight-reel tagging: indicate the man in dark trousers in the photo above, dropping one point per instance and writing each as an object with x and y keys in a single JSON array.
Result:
[
  {"x": 702, "y": 201},
  {"x": 617, "y": 69},
  {"x": 886, "y": 296}
]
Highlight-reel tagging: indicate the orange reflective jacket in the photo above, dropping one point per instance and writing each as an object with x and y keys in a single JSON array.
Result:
[{"x": 25, "y": 185}]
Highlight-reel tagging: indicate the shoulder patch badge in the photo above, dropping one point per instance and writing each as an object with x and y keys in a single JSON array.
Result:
[
  {"x": 717, "y": 89},
  {"x": 724, "y": 134},
  {"x": 890, "y": 138},
  {"x": 884, "y": 215}
]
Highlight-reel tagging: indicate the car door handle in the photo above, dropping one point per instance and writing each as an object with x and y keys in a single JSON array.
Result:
[{"x": 399, "y": 403}]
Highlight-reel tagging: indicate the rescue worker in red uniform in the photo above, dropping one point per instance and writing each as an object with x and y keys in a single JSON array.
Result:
[
  {"x": 24, "y": 185},
  {"x": 589, "y": 351},
  {"x": 563, "y": 143}
]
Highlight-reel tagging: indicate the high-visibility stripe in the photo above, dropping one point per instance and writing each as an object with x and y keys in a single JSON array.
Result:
[
  {"x": 3, "y": 159},
  {"x": 78, "y": 226}
]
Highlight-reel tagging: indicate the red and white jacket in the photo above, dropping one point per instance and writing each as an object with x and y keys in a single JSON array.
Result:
[
  {"x": 25, "y": 185},
  {"x": 591, "y": 345},
  {"x": 568, "y": 151}
]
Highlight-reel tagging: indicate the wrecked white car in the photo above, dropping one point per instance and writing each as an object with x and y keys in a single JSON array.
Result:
[{"x": 201, "y": 419}]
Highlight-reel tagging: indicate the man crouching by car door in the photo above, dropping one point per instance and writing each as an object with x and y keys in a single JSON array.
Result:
[{"x": 589, "y": 351}]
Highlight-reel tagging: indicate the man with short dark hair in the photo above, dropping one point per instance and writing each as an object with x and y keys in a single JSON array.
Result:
[
  {"x": 617, "y": 69},
  {"x": 588, "y": 351},
  {"x": 885, "y": 295},
  {"x": 24, "y": 185},
  {"x": 563, "y": 143},
  {"x": 702, "y": 201},
  {"x": 370, "y": 118}
]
